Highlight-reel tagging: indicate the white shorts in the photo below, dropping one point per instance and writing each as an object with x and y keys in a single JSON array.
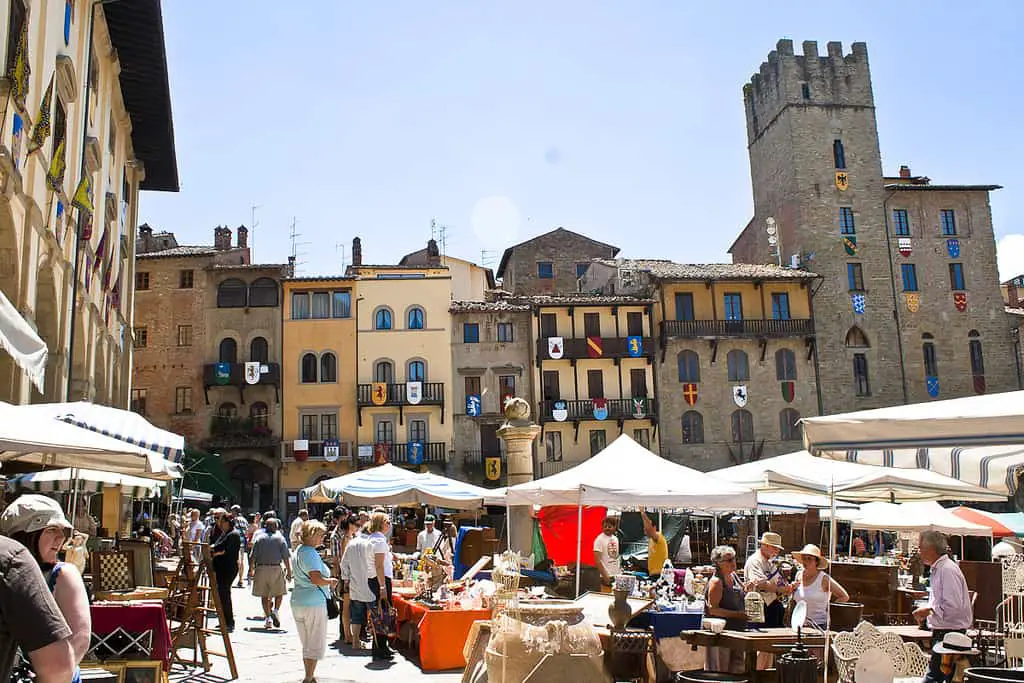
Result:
[{"x": 311, "y": 623}]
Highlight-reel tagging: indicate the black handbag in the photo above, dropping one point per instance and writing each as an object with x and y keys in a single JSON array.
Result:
[{"x": 333, "y": 609}]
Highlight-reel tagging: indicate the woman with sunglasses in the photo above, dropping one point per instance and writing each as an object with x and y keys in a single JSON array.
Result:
[
  {"x": 725, "y": 599},
  {"x": 38, "y": 523}
]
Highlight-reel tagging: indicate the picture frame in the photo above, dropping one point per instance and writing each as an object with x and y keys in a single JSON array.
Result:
[
  {"x": 142, "y": 671},
  {"x": 116, "y": 668}
]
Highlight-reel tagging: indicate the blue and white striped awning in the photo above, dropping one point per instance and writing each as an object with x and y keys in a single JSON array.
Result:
[
  {"x": 122, "y": 425},
  {"x": 390, "y": 485},
  {"x": 61, "y": 481}
]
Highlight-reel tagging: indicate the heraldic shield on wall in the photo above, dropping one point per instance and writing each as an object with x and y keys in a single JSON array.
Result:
[
  {"x": 739, "y": 395},
  {"x": 556, "y": 347}
]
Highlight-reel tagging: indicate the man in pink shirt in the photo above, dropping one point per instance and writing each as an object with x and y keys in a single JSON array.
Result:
[{"x": 949, "y": 607}]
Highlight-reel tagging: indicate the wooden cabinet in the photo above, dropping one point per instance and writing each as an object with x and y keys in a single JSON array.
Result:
[
  {"x": 985, "y": 578},
  {"x": 872, "y": 585}
]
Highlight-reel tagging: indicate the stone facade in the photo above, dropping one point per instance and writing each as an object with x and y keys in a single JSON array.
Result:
[
  {"x": 561, "y": 254},
  {"x": 816, "y": 170}
]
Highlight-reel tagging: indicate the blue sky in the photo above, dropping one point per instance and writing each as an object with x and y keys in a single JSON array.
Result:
[{"x": 504, "y": 119}]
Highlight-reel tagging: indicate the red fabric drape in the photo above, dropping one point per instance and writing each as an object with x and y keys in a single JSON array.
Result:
[{"x": 558, "y": 529}]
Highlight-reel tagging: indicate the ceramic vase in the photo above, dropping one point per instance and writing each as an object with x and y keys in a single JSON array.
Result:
[{"x": 619, "y": 611}]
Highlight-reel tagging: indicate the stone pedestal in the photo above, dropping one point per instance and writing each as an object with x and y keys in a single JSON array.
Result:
[{"x": 518, "y": 433}]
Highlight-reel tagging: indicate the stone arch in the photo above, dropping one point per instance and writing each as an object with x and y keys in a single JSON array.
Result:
[
  {"x": 320, "y": 475},
  {"x": 9, "y": 286},
  {"x": 48, "y": 325},
  {"x": 252, "y": 475}
]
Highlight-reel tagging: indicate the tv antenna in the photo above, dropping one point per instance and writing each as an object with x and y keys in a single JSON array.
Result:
[
  {"x": 439, "y": 233},
  {"x": 488, "y": 257},
  {"x": 252, "y": 231},
  {"x": 294, "y": 236},
  {"x": 339, "y": 249}
]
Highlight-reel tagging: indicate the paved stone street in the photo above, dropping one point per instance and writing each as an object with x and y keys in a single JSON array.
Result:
[{"x": 275, "y": 656}]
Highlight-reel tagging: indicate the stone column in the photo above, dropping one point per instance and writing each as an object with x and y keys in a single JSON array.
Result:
[{"x": 518, "y": 433}]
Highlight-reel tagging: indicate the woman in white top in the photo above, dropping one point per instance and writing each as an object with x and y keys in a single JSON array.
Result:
[
  {"x": 814, "y": 586},
  {"x": 380, "y": 578}
]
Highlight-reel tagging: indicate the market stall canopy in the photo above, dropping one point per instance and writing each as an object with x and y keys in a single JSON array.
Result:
[
  {"x": 801, "y": 471},
  {"x": 25, "y": 346},
  {"x": 123, "y": 425},
  {"x": 627, "y": 474},
  {"x": 793, "y": 501},
  {"x": 1003, "y": 524},
  {"x": 53, "y": 443},
  {"x": 987, "y": 420},
  {"x": 195, "y": 496},
  {"x": 390, "y": 485},
  {"x": 58, "y": 481},
  {"x": 915, "y": 516}
]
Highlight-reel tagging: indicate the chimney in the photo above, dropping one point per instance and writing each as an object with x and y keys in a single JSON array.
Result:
[
  {"x": 904, "y": 172},
  {"x": 243, "y": 236},
  {"x": 433, "y": 255},
  {"x": 291, "y": 266},
  {"x": 221, "y": 238},
  {"x": 357, "y": 252}
]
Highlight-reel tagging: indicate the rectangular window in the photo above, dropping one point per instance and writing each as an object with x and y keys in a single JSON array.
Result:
[
  {"x": 473, "y": 385},
  {"x": 182, "y": 400},
  {"x": 900, "y": 222},
  {"x": 139, "y": 401},
  {"x": 909, "y": 275},
  {"x": 141, "y": 280},
  {"x": 545, "y": 270},
  {"x": 684, "y": 306},
  {"x": 956, "y": 276},
  {"x": 384, "y": 432},
  {"x": 846, "y": 222},
  {"x": 581, "y": 270},
  {"x": 506, "y": 332},
  {"x": 141, "y": 336},
  {"x": 860, "y": 374},
  {"x": 598, "y": 440},
  {"x": 321, "y": 305},
  {"x": 184, "y": 335},
  {"x": 186, "y": 279},
  {"x": 642, "y": 437},
  {"x": 931, "y": 363},
  {"x": 838, "y": 154},
  {"x": 342, "y": 306},
  {"x": 550, "y": 383},
  {"x": 300, "y": 305},
  {"x": 855, "y": 277},
  {"x": 418, "y": 431},
  {"x": 638, "y": 383},
  {"x": 592, "y": 324},
  {"x": 635, "y": 324},
  {"x": 506, "y": 387},
  {"x": 733, "y": 306},
  {"x": 780, "y": 306},
  {"x": 595, "y": 384},
  {"x": 309, "y": 427},
  {"x": 548, "y": 325},
  {"x": 329, "y": 426},
  {"x": 553, "y": 446},
  {"x": 947, "y": 218},
  {"x": 805, "y": 90},
  {"x": 470, "y": 333}
]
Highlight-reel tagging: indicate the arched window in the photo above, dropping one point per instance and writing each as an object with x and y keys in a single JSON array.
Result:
[
  {"x": 263, "y": 293},
  {"x": 417, "y": 371},
  {"x": 931, "y": 363},
  {"x": 689, "y": 366},
  {"x": 228, "y": 352},
  {"x": 384, "y": 371},
  {"x": 785, "y": 365},
  {"x": 258, "y": 413},
  {"x": 977, "y": 361},
  {"x": 789, "y": 430},
  {"x": 227, "y": 411},
  {"x": 309, "y": 368},
  {"x": 742, "y": 426},
  {"x": 382, "y": 319},
  {"x": 416, "y": 318},
  {"x": 258, "y": 350},
  {"x": 856, "y": 339},
  {"x": 693, "y": 427},
  {"x": 328, "y": 367},
  {"x": 232, "y": 293},
  {"x": 738, "y": 365}
]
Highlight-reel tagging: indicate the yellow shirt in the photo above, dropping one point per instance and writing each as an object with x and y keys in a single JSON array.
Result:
[{"x": 657, "y": 553}]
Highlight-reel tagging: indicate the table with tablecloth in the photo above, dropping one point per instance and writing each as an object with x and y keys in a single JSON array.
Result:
[
  {"x": 442, "y": 633},
  {"x": 135, "y": 618}
]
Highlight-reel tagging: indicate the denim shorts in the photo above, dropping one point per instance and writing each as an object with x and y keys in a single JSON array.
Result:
[{"x": 358, "y": 612}]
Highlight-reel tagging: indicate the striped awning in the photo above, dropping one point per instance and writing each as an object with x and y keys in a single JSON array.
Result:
[
  {"x": 89, "y": 481},
  {"x": 390, "y": 485}
]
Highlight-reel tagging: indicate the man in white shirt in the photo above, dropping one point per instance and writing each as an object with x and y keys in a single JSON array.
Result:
[
  {"x": 355, "y": 571},
  {"x": 295, "y": 532},
  {"x": 606, "y": 551},
  {"x": 763, "y": 577},
  {"x": 194, "y": 533},
  {"x": 949, "y": 607},
  {"x": 429, "y": 536}
]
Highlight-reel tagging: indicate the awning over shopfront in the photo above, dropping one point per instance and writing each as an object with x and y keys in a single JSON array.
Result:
[
  {"x": 60, "y": 481},
  {"x": 23, "y": 344}
]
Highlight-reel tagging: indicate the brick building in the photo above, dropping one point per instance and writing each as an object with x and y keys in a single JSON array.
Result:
[
  {"x": 201, "y": 314},
  {"x": 883, "y": 336},
  {"x": 552, "y": 263}
]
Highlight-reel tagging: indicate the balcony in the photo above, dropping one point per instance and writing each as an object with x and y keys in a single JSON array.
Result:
[
  {"x": 474, "y": 465},
  {"x": 236, "y": 378},
  {"x": 398, "y": 454},
  {"x": 549, "y": 467},
  {"x": 766, "y": 328},
  {"x": 316, "y": 452},
  {"x": 611, "y": 347},
  {"x": 640, "y": 408},
  {"x": 239, "y": 432},
  {"x": 396, "y": 395}
]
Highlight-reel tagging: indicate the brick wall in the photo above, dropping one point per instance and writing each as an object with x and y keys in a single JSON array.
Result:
[{"x": 564, "y": 249}]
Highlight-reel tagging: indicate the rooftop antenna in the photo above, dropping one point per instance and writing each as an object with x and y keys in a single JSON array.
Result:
[
  {"x": 339, "y": 248},
  {"x": 488, "y": 257},
  {"x": 294, "y": 236},
  {"x": 252, "y": 232},
  {"x": 439, "y": 233}
]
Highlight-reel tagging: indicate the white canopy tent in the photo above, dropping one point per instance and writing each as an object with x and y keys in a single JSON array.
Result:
[
  {"x": 390, "y": 485},
  {"x": 62, "y": 480},
  {"x": 915, "y": 516},
  {"x": 24, "y": 345},
  {"x": 802, "y": 472}
]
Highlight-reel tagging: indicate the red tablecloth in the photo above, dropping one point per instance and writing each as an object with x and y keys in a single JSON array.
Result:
[
  {"x": 135, "y": 618},
  {"x": 442, "y": 632}
]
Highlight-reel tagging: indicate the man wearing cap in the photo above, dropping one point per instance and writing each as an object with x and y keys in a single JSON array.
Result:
[
  {"x": 949, "y": 608},
  {"x": 429, "y": 536},
  {"x": 762, "y": 577}
]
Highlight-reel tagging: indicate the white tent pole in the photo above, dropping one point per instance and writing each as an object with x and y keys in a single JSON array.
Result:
[
  {"x": 714, "y": 530},
  {"x": 832, "y": 559},
  {"x": 579, "y": 541},
  {"x": 508, "y": 525},
  {"x": 74, "y": 494}
]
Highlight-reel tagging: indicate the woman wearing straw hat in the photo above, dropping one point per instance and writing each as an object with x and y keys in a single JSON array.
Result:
[{"x": 815, "y": 587}]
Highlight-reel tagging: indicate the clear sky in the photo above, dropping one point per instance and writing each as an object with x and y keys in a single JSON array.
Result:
[{"x": 502, "y": 120}]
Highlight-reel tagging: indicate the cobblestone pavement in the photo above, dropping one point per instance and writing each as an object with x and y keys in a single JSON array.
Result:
[{"x": 275, "y": 656}]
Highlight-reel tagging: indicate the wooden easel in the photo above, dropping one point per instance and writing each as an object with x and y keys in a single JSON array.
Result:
[{"x": 192, "y": 591}]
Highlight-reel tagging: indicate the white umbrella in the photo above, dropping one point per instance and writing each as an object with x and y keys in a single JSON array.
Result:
[
  {"x": 918, "y": 516},
  {"x": 390, "y": 485}
]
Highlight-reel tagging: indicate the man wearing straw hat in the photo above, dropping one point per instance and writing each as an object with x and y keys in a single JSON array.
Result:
[{"x": 761, "y": 576}]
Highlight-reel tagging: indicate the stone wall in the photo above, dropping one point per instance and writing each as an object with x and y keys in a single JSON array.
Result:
[{"x": 564, "y": 249}]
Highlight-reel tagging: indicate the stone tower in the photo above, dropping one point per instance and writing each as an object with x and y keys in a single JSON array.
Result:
[{"x": 816, "y": 169}]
